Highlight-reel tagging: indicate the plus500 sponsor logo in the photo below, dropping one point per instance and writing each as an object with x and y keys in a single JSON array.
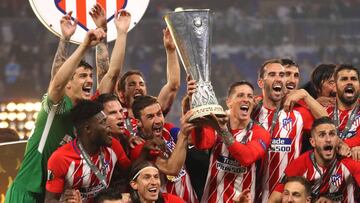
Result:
[{"x": 280, "y": 145}]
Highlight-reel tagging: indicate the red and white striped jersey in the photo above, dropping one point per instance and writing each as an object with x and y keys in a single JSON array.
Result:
[
  {"x": 81, "y": 9},
  {"x": 352, "y": 136},
  {"x": 179, "y": 185},
  {"x": 285, "y": 144},
  {"x": 339, "y": 185},
  {"x": 227, "y": 176},
  {"x": 67, "y": 169}
]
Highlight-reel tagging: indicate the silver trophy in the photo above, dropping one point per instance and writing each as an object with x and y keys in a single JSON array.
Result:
[{"x": 191, "y": 31}]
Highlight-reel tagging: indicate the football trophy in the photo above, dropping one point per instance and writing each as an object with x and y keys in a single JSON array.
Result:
[{"x": 191, "y": 31}]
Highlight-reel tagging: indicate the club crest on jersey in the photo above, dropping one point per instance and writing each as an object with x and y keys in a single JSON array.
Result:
[
  {"x": 356, "y": 122},
  {"x": 336, "y": 180},
  {"x": 287, "y": 124},
  {"x": 49, "y": 12},
  {"x": 50, "y": 175}
]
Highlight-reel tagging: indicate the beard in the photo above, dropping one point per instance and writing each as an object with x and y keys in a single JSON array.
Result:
[{"x": 348, "y": 102}]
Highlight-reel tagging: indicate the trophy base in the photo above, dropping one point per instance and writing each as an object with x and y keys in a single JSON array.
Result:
[{"x": 206, "y": 110}]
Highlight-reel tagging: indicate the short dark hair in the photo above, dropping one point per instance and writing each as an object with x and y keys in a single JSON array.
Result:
[
  {"x": 267, "y": 62},
  {"x": 85, "y": 65},
  {"x": 108, "y": 194},
  {"x": 302, "y": 180},
  {"x": 239, "y": 83},
  {"x": 141, "y": 102},
  {"x": 288, "y": 62},
  {"x": 121, "y": 84},
  {"x": 321, "y": 73},
  {"x": 320, "y": 121},
  {"x": 84, "y": 110},
  {"x": 341, "y": 67},
  {"x": 104, "y": 98}
]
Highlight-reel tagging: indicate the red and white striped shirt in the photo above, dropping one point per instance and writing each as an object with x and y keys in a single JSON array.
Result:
[
  {"x": 181, "y": 184},
  {"x": 67, "y": 169},
  {"x": 286, "y": 142},
  {"x": 339, "y": 185},
  {"x": 228, "y": 173},
  {"x": 353, "y": 134}
]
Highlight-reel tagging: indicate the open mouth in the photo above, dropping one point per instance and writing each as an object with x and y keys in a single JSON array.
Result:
[
  {"x": 121, "y": 124},
  {"x": 332, "y": 94},
  {"x": 137, "y": 94},
  {"x": 277, "y": 88},
  {"x": 290, "y": 86},
  {"x": 328, "y": 148},
  {"x": 349, "y": 91},
  {"x": 153, "y": 190},
  {"x": 157, "y": 129},
  {"x": 86, "y": 89},
  {"x": 244, "y": 108}
]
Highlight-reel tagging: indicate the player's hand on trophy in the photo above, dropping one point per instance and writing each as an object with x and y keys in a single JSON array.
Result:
[
  {"x": 68, "y": 26},
  {"x": 185, "y": 125},
  {"x": 191, "y": 86},
  {"x": 122, "y": 21},
  {"x": 326, "y": 101},
  {"x": 94, "y": 37},
  {"x": 71, "y": 196},
  {"x": 218, "y": 123},
  {"x": 98, "y": 15},
  {"x": 168, "y": 41},
  {"x": 293, "y": 97}
]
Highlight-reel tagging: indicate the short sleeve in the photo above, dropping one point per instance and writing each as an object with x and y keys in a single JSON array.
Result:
[{"x": 55, "y": 175}]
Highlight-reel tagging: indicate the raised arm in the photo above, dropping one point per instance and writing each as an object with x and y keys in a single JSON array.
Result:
[
  {"x": 68, "y": 28},
  {"x": 98, "y": 15},
  {"x": 317, "y": 110},
  {"x": 173, "y": 165},
  {"x": 168, "y": 92},
  {"x": 57, "y": 85},
  {"x": 122, "y": 22}
]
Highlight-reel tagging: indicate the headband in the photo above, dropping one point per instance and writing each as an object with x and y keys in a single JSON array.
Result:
[{"x": 138, "y": 173}]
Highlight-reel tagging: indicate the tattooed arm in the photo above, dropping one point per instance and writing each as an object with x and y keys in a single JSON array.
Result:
[
  {"x": 102, "y": 61},
  {"x": 68, "y": 28},
  {"x": 57, "y": 85},
  {"x": 98, "y": 15}
]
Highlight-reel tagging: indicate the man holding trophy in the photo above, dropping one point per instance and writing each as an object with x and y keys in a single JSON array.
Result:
[{"x": 233, "y": 155}]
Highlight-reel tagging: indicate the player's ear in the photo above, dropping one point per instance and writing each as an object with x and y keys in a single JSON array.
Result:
[
  {"x": 134, "y": 185},
  {"x": 228, "y": 102},
  {"x": 312, "y": 141},
  {"x": 139, "y": 123},
  {"x": 260, "y": 83}
]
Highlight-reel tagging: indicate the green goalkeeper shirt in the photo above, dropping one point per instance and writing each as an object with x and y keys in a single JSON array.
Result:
[{"x": 53, "y": 128}]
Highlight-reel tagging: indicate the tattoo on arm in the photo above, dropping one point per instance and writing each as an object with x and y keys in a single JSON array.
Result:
[
  {"x": 102, "y": 60},
  {"x": 62, "y": 53}
]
